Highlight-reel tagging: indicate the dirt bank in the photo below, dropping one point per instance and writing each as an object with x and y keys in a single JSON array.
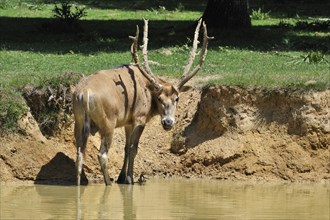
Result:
[{"x": 223, "y": 132}]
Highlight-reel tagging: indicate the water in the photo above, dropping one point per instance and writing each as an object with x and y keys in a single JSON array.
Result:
[{"x": 167, "y": 199}]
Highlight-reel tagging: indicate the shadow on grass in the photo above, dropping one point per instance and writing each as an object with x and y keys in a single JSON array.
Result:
[
  {"x": 91, "y": 36},
  {"x": 191, "y": 5}
]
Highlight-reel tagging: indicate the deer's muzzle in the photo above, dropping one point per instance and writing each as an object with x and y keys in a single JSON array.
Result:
[{"x": 167, "y": 123}]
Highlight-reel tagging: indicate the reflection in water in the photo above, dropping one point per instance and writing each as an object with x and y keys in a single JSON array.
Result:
[{"x": 167, "y": 199}]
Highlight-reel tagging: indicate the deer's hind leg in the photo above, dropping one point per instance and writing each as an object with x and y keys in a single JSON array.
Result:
[
  {"x": 81, "y": 135},
  {"x": 106, "y": 140}
]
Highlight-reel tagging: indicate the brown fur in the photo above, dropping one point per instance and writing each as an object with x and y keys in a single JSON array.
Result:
[
  {"x": 127, "y": 96},
  {"x": 120, "y": 97}
]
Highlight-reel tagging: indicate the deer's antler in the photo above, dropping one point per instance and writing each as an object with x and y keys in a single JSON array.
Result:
[
  {"x": 146, "y": 71},
  {"x": 134, "y": 46},
  {"x": 186, "y": 74}
]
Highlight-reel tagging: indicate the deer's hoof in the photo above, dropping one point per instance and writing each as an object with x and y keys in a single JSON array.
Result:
[
  {"x": 129, "y": 180},
  {"x": 121, "y": 179}
]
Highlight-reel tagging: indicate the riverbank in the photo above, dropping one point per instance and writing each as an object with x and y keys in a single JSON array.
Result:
[{"x": 222, "y": 132}]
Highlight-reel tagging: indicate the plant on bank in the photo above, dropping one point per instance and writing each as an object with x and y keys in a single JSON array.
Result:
[
  {"x": 67, "y": 19},
  {"x": 314, "y": 57},
  {"x": 259, "y": 14},
  {"x": 69, "y": 12},
  {"x": 12, "y": 107},
  {"x": 311, "y": 57}
]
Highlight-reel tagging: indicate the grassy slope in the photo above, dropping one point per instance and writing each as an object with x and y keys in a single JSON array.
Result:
[
  {"x": 272, "y": 55},
  {"x": 266, "y": 55}
]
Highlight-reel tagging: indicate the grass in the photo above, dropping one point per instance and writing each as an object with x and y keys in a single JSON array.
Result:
[
  {"x": 266, "y": 70},
  {"x": 282, "y": 48}
]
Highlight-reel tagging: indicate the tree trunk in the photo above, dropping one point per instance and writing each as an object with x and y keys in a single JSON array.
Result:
[{"x": 227, "y": 14}]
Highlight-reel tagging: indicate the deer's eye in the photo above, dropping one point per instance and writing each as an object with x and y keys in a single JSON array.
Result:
[{"x": 177, "y": 99}]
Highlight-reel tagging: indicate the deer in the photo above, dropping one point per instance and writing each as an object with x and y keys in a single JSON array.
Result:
[{"x": 127, "y": 96}]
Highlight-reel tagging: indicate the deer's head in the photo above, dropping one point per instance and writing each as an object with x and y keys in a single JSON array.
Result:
[{"x": 166, "y": 94}]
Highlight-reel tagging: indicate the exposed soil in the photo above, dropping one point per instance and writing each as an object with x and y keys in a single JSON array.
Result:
[{"x": 222, "y": 132}]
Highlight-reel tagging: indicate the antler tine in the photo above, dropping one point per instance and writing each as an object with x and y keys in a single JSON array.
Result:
[
  {"x": 193, "y": 50},
  {"x": 135, "y": 56},
  {"x": 145, "y": 55},
  {"x": 134, "y": 46},
  {"x": 186, "y": 77}
]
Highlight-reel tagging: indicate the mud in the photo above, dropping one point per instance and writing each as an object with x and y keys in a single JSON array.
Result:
[{"x": 222, "y": 132}]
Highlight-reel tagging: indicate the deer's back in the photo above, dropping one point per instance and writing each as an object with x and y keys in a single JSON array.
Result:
[{"x": 119, "y": 94}]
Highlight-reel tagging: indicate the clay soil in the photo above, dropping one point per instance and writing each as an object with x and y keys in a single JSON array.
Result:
[{"x": 222, "y": 132}]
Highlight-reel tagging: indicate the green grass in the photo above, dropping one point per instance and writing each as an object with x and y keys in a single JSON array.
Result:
[
  {"x": 269, "y": 69},
  {"x": 34, "y": 49},
  {"x": 114, "y": 12}
]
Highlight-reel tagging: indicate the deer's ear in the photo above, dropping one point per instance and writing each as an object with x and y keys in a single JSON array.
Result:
[{"x": 185, "y": 88}]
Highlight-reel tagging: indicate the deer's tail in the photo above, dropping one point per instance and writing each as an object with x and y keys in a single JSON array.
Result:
[
  {"x": 83, "y": 101},
  {"x": 82, "y": 129}
]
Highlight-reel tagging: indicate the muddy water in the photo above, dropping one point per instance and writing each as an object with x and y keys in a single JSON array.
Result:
[{"x": 167, "y": 199}]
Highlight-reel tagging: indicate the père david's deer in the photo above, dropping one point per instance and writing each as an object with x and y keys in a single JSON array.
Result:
[{"x": 127, "y": 96}]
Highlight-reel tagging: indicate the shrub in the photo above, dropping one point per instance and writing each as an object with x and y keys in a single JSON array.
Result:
[
  {"x": 67, "y": 19},
  {"x": 65, "y": 12},
  {"x": 259, "y": 14},
  {"x": 12, "y": 107},
  {"x": 314, "y": 57}
]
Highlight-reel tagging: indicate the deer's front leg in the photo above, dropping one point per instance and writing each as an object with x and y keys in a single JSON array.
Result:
[
  {"x": 123, "y": 173},
  {"x": 132, "y": 152}
]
